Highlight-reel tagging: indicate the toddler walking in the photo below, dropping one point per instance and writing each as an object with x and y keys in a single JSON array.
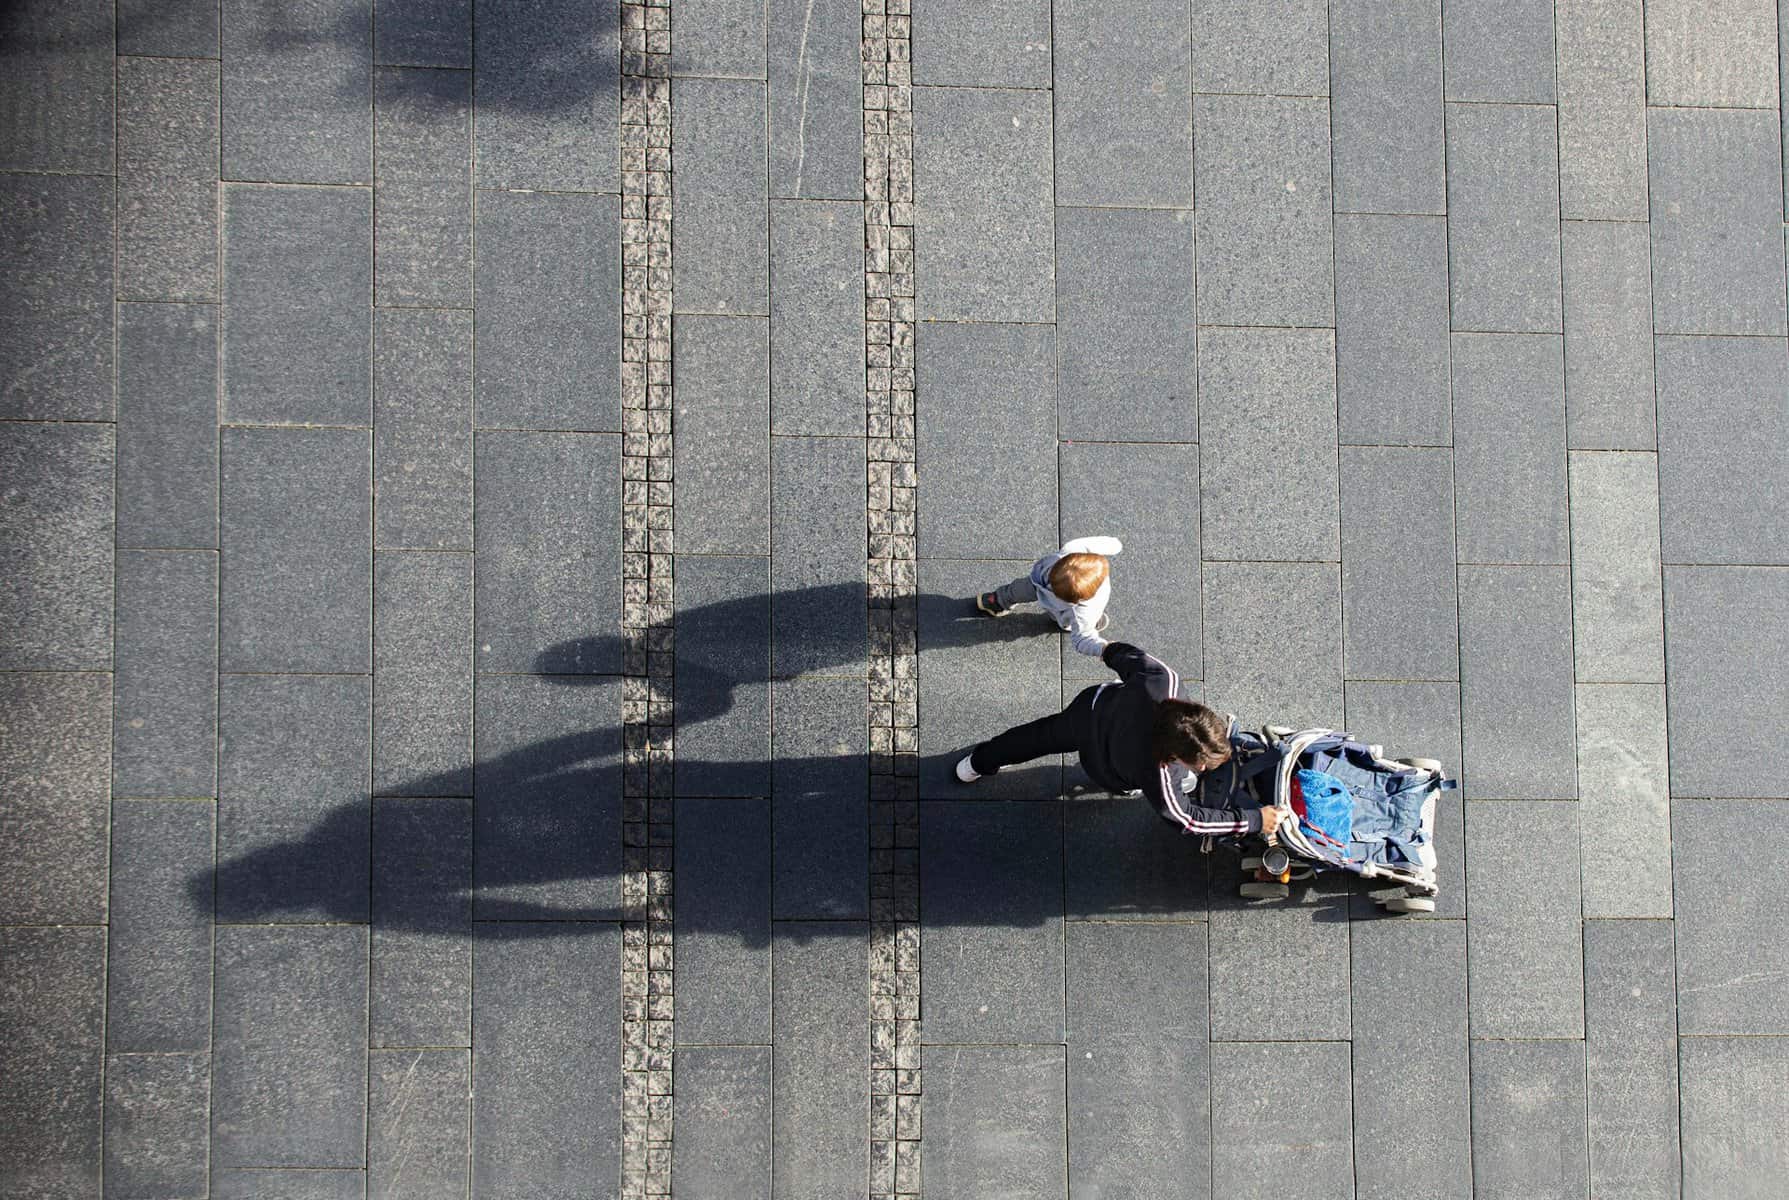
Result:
[{"x": 1073, "y": 585}]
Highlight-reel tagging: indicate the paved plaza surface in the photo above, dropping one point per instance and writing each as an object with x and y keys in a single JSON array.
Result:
[{"x": 488, "y": 495}]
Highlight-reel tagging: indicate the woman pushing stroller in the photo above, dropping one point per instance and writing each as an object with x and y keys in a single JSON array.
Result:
[{"x": 1134, "y": 734}]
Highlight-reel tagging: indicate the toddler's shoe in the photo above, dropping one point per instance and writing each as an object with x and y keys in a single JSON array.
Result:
[{"x": 988, "y": 603}]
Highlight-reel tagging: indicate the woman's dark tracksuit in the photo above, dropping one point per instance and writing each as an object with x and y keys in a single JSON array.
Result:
[{"x": 1109, "y": 726}]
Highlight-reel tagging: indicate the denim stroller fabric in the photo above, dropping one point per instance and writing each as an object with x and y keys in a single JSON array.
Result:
[{"x": 1387, "y": 818}]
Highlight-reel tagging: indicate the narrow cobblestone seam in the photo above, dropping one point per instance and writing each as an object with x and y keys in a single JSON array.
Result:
[
  {"x": 647, "y": 613},
  {"x": 895, "y": 1089}
]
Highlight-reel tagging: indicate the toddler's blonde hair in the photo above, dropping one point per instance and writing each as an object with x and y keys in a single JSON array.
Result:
[{"x": 1076, "y": 577}]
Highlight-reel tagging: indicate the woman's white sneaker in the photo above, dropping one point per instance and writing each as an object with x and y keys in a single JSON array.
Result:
[{"x": 966, "y": 772}]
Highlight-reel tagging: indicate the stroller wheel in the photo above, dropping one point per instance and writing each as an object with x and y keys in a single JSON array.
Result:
[
  {"x": 1409, "y": 904},
  {"x": 1422, "y": 764},
  {"x": 1264, "y": 891},
  {"x": 1251, "y": 862}
]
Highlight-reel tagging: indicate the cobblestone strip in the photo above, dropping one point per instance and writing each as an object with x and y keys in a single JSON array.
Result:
[
  {"x": 647, "y": 613},
  {"x": 895, "y": 1089}
]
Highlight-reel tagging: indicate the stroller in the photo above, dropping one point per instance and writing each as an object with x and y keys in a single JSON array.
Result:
[{"x": 1344, "y": 807}]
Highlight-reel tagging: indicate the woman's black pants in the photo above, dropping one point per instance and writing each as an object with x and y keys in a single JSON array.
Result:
[{"x": 1060, "y": 733}]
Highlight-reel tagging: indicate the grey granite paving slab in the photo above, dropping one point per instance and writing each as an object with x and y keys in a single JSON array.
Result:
[
  {"x": 722, "y": 449},
  {"x": 167, "y": 460},
  {"x": 720, "y": 39},
  {"x": 723, "y": 915},
  {"x": 978, "y": 677},
  {"x": 1723, "y": 693},
  {"x": 546, "y": 1078},
  {"x": 423, "y": 33},
  {"x": 1609, "y": 399},
  {"x": 996, "y": 1118},
  {"x": 1155, "y": 580},
  {"x": 297, "y": 550},
  {"x": 297, "y": 290},
  {"x": 724, "y": 1119},
  {"x": 1499, "y": 51},
  {"x": 156, "y": 1135},
  {"x": 52, "y": 1005},
  {"x": 1528, "y": 1124},
  {"x": 1254, "y": 1085},
  {"x": 818, "y": 1106},
  {"x": 422, "y": 674},
  {"x": 1711, "y": 55},
  {"x": 1732, "y": 955},
  {"x": 164, "y": 696},
  {"x": 816, "y": 123},
  {"x": 1389, "y": 146},
  {"x": 1267, "y": 470},
  {"x": 1276, "y": 48},
  {"x": 1392, "y": 330},
  {"x": 1503, "y": 217},
  {"x": 1630, "y": 1058},
  {"x": 817, "y": 556},
  {"x": 1411, "y": 1060},
  {"x": 56, "y": 104},
  {"x": 819, "y": 785},
  {"x": 1251, "y": 990},
  {"x": 422, "y": 210},
  {"x": 55, "y": 765},
  {"x": 158, "y": 968},
  {"x": 421, "y": 906},
  {"x": 298, "y": 89},
  {"x": 1273, "y": 642},
  {"x": 1622, "y": 780},
  {"x": 548, "y": 782},
  {"x": 982, "y": 162},
  {"x": 56, "y": 329},
  {"x": 1525, "y": 962},
  {"x": 1716, "y": 189},
  {"x": 1602, "y": 109},
  {"x": 418, "y": 1142},
  {"x": 1516, "y": 683},
  {"x": 422, "y": 430},
  {"x": 548, "y": 331},
  {"x": 987, "y": 386},
  {"x": 289, "y": 1064},
  {"x": 1400, "y": 607},
  {"x": 1722, "y": 418},
  {"x": 1005, "y": 43},
  {"x": 292, "y": 829},
  {"x": 56, "y": 547},
  {"x": 723, "y": 243},
  {"x": 168, "y": 139},
  {"x": 1135, "y": 1002},
  {"x": 1617, "y": 623},
  {"x": 1126, "y": 364},
  {"x": 991, "y": 935},
  {"x": 306, "y": 1183},
  {"x": 1124, "y": 863},
  {"x": 547, "y": 591},
  {"x": 723, "y": 676},
  {"x": 1734, "y": 1120},
  {"x": 1261, "y": 173},
  {"x": 546, "y": 79},
  {"x": 816, "y": 318},
  {"x": 169, "y": 28},
  {"x": 1122, "y": 86},
  {"x": 1509, "y": 441}
]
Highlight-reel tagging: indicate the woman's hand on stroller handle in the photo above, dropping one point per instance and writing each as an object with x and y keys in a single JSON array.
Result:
[{"x": 1270, "y": 822}]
